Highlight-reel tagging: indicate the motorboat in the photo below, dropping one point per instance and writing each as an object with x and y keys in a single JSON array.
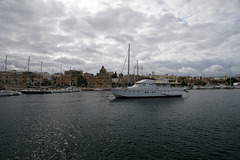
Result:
[
  {"x": 37, "y": 91},
  {"x": 4, "y": 93},
  {"x": 149, "y": 88}
]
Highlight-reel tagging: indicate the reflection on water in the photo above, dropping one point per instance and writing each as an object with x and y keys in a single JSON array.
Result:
[{"x": 149, "y": 101}]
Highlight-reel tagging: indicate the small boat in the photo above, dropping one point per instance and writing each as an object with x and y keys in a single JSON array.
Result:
[
  {"x": 98, "y": 89},
  {"x": 33, "y": 91},
  {"x": 16, "y": 93},
  {"x": 57, "y": 91},
  {"x": 10, "y": 93},
  {"x": 4, "y": 93},
  {"x": 76, "y": 90},
  {"x": 68, "y": 90}
]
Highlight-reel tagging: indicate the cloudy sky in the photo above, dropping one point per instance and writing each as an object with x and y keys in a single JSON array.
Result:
[{"x": 180, "y": 37}]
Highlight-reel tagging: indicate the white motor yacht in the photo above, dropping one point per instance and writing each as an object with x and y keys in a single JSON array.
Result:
[{"x": 147, "y": 88}]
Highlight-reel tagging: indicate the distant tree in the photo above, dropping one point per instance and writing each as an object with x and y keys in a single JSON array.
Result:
[
  {"x": 217, "y": 82},
  {"x": 232, "y": 80},
  {"x": 115, "y": 75},
  {"x": 184, "y": 83},
  {"x": 47, "y": 82},
  {"x": 82, "y": 81},
  {"x": 200, "y": 83}
]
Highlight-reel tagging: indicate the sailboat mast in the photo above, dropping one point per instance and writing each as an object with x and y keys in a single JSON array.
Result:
[
  {"x": 137, "y": 70},
  {"x": 230, "y": 75},
  {"x": 128, "y": 64},
  {"x": 5, "y": 74},
  {"x": 28, "y": 77},
  {"x": 28, "y": 62},
  {"x": 6, "y": 63},
  {"x": 41, "y": 75}
]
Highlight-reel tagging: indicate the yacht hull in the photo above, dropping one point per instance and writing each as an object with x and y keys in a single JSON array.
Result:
[{"x": 126, "y": 93}]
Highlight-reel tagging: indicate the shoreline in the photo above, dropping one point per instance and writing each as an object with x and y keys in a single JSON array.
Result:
[{"x": 53, "y": 88}]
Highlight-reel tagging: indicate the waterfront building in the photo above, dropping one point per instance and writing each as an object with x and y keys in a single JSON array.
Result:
[
  {"x": 88, "y": 75},
  {"x": 115, "y": 82},
  {"x": 20, "y": 79},
  {"x": 60, "y": 80},
  {"x": 69, "y": 78},
  {"x": 4, "y": 78},
  {"x": 73, "y": 76},
  {"x": 166, "y": 76},
  {"x": 103, "y": 79}
]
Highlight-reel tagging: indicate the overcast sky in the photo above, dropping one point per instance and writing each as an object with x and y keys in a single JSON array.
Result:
[{"x": 180, "y": 37}]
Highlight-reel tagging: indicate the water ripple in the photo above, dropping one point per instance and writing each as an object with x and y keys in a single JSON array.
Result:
[{"x": 95, "y": 125}]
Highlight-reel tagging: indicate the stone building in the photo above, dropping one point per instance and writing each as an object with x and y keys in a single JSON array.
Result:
[
  {"x": 69, "y": 78},
  {"x": 123, "y": 81},
  {"x": 103, "y": 79},
  {"x": 73, "y": 76},
  {"x": 60, "y": 80},
  {"x": 88, "y": 75},
  {"x": 20, "y": 79},
  {"x": 166, "y": 76}
]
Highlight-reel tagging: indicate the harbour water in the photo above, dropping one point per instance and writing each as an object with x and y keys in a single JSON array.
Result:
[{"x": 203, "y": 124}]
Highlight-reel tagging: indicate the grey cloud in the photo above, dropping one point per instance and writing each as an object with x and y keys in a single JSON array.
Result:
[
  {"x": 123, "y": 38},
  {"x": 171, "y": 36},
  {"x": 116, "y": 20},
  {"x": 189, "y": 71},
  {"x": 72, "y": 61},
  {"x": 74, "y": 25},
  {"x": 214, "y": 70}
]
